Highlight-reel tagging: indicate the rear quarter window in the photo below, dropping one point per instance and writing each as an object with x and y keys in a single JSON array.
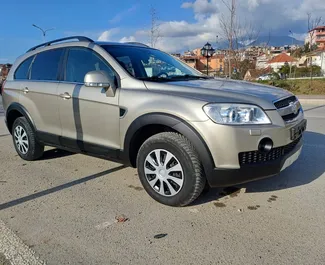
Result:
[{"x": 23, "y": 69}]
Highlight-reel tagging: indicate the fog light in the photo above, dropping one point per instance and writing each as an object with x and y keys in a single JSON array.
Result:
[{"x": 265, "y": 145}]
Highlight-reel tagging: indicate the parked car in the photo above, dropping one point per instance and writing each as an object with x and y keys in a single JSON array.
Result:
[{"x": 181, "y": 129}]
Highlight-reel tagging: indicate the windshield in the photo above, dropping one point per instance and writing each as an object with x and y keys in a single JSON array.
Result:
[{"x": 150, "y": 64}]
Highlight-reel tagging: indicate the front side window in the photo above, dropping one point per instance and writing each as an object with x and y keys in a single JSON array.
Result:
[
  {"x": 23, "y": 69},
  {"x": 150, "y": 64},
  {"x": 81, "y": 61},
  {"x": 46, "y": 65}
]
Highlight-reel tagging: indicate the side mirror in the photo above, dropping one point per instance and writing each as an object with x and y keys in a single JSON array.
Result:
[{"x": 100, "y": 79}]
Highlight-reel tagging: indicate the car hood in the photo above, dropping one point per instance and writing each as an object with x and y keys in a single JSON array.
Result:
[{"x": 223, "y": 90}]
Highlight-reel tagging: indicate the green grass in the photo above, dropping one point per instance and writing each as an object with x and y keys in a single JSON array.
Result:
[{"x": 300, "y": 87}]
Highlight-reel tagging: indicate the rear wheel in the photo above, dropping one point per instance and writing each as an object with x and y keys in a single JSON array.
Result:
[
  {"x": 25, "y": 141},
  {"x": 170, "y": 170}
]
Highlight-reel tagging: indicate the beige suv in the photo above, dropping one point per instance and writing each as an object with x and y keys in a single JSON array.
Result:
[{"x": 144, "y": 108}]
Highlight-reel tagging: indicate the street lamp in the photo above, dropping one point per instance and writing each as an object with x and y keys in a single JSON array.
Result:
[
  {"x": 207, "y": 51},
  {"x": 43, "y": 31}
]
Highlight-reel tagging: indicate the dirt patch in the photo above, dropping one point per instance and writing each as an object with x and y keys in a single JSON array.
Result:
[
  {"x": 135, "y": 188},
  {"x": 3, "y": 260},
  {"x": 219, "y": 204},
  {"x": 253, "y": 207}
]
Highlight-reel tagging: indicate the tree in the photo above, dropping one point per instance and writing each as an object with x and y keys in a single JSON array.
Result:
[
  {"x": 227, "y": 25},
  {"x": 155, "y": 28},
  {"x": 306, "y": 47},
  {"x": 237, "y": 33},
  {"x": 312, "y": 24}
]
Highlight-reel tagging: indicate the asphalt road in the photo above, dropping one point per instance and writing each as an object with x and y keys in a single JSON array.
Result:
[{"x": 64, "y": 207}]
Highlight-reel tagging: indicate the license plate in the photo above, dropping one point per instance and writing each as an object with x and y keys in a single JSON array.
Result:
[
  {"x": 290, "y": 160},
  {"x": 297, "y": 131}
]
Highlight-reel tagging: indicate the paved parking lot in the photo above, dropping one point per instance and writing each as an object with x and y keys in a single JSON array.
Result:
[{"x": 64, "y": 207}]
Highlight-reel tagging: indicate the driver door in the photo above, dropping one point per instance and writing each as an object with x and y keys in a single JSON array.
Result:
[{"x": 89, "y": 118}]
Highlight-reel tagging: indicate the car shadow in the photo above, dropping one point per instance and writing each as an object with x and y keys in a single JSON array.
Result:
[
  {"x": 309, "y": 167},
  {"x": 55, "y": 153}
]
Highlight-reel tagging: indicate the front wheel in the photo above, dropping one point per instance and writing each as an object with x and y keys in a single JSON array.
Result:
[{"x": 170, "y": 170}]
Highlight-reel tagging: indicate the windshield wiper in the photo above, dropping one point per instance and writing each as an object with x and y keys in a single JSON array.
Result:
[
  {"x": 182, "y": 77},
  {"x": 154, "y": 78}
]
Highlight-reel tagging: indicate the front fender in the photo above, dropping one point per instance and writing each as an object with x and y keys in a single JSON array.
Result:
[{"x": 176, "y": 124}]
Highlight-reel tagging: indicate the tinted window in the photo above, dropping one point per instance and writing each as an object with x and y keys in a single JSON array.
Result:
[
  {"x": 22, "y": 71},
  {"x": 82, "y": 61},
  {"x": 46, "y": 65}
]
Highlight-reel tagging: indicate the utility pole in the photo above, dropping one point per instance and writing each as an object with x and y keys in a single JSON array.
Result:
[{"x": 42, "y": 30}]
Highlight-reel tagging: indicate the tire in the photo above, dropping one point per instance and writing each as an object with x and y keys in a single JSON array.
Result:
[
  {"x": 25, "y": 141},
  {"x": 179, "y": 166}
]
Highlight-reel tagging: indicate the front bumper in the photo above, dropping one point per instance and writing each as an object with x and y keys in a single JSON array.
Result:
[{"x": 227, "y": 177}]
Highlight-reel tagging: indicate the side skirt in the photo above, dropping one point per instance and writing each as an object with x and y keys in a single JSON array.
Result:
[{"x": 77, "y": 146}]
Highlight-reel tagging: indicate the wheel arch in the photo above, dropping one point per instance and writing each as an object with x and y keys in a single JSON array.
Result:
[
  {"x": 166, "y": 122},
  {"x": 14, "y": 111}
]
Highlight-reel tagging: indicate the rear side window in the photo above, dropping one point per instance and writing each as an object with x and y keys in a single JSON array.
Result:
[
  {"x": 23, "y": 69},
  {"x": 46, "y": 65},
  {"x": 81, "y": 61}
]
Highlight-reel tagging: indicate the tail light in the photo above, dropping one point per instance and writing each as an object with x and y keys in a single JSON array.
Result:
[{"x": 3, "y": 86}]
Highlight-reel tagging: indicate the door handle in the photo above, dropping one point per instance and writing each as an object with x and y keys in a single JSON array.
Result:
[
  {"x": 65, "y": 95},
  {"x": 25, "y": 90}
]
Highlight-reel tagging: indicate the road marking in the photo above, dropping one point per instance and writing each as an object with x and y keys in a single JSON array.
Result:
[{"x": 15, "y": 250}]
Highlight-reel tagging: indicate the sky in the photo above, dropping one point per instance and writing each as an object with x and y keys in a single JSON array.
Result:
[{"x": 183, "y": 24}]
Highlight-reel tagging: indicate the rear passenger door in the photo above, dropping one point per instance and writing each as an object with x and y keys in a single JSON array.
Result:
[{"x": 39, "y": 94}]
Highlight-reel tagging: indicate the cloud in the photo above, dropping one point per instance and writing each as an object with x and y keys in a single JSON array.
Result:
[
  {"x": 275, "y": 16},
  {"x": 204, "y": 7},
  {"x": 118, "y": 17},
  {"x": 108, "y": 34},
  {"x": 298, "y": 36},
  {"x": 128, "y": 39}
]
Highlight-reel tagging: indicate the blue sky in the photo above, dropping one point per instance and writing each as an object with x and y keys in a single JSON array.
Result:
[{"x": 183, "y": 24}]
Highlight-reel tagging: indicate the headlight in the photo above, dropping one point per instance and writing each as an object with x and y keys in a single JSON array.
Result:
[{"x": 236, "y": 114}]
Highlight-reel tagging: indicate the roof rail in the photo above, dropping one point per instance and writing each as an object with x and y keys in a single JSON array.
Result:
[
  {"x": 79, "y": 38},
  {"x": 138, "y": 43}
]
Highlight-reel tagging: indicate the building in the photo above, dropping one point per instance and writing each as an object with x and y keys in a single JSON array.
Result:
[
  {"x": 280, "y": 60},
  {"x": 317, "y": 58},
  {"x": 262, "y": 61},
  {"x": 197, "y": 61},
  {"x": 316, "y": 36},
  {"x": 254, "y": 74}
]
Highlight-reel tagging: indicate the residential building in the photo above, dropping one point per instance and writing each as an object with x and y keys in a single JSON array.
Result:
[
  {"x": 317, "y": 58},
  {"x": 316, "y": 36},
  {"x": 195, "y": 60},
  {"x": 262, "y": 61},
  {"x": 254, "y": 74},
  {"x": 177, "y": 55},
  {"x": 280, "y": 60}
]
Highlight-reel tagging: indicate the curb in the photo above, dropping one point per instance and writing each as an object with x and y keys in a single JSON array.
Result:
[{"x": 312, "y": 101}]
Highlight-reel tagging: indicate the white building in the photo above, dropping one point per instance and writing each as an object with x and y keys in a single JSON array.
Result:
[
  {"x": 262, "y": 61},
  {"x": 280, "y": 60},
  {"x": 317, "y": 58}
]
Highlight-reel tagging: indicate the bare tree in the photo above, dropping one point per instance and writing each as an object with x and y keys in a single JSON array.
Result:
[
  {"x": 154, "y": 29},
  {"x": 238, "y": 33},
  {"x": 227, "y": 25},
  {"x": 312, "y": 23}
]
